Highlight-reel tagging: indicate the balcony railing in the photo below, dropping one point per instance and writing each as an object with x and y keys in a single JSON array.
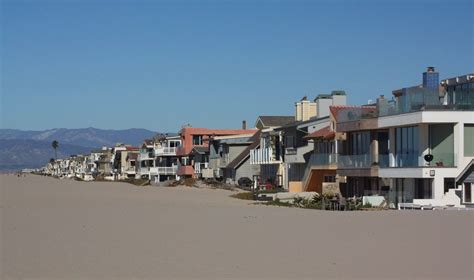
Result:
[
  {"x": 199, "y": 166},
  {"x": 147, "y": 155},
  {"x": 263, "y": 156},
  {"x": 410, "y": 160},
  {"x": 164, "y": 170},
  {"x": 323, "y": 159},
  {"x": 166, "y": 151}
]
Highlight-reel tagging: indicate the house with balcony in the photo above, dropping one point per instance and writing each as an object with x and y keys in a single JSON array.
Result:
[
  {"x": 146, "y": 160},
  {"x": 310, "y": 116},
  {"x": 193, "y": 153},
  {"x": 103, "y": 160},
  {"x": 229, "y": 157},
  {"x": 414, "y": 148},
  {"x": 124, "y": 159},
  {"x": 166, "y": 160}
]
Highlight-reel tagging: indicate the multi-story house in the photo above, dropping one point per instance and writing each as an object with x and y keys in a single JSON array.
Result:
[
  {"x": 194, "y": 153},
  {"x": 166, "y": 161},
  {"x": 416, "y": 149},
  {"x": 124, "y": 161},
  {"x": 268, "y": 153},
  {"x": 229, "y": 157},
  {"x": 284, "y": 151},
  {"x": 146, "y": 159}
]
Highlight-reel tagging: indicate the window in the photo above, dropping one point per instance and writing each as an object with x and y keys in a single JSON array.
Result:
[
  {"x": 449, "y": 183},
  {"x": 329, "y": 178},
  {"x": 469, "y": 140},
  {"x": 197, "y": 139},
  {"x": 467, "y": 192},
  {"x": 406, "y": 146},
  {"x": 290, "y": 141},
  {"x": 360, "y": 143},
  {"x": 423, "y": 189}
]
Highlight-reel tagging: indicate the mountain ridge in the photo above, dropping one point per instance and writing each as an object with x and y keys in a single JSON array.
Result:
[{"x": 32, "y": 148}]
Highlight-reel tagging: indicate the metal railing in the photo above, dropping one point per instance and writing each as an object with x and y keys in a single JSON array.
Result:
[
  {"x": 166, "y": 151},
  {"x": 263, "y": 156},
  {"x": 199, "y": 166}
]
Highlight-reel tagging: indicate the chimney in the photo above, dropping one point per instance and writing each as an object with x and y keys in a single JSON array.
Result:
[{"x": 244, "y": 124}]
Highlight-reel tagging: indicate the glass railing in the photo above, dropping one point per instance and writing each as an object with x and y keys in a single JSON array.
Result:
[
  {"x": 411, "y": 160},
  {"x": 323, "y": 159},
  {"x": 355, "y": 161},
  {"x": 413, "y": 100}
]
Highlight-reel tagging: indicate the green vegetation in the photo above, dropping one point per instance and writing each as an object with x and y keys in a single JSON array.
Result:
[
  {"x": 137, "y": 182},
  {"x": 243, "y": 195},
  {"x": 277, "y": 202}
]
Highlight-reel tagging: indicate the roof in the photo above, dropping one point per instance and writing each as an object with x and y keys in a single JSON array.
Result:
[
  {"x": 335, "y": 109},
  {"x": 300, "y": 123},
  {"x": 246, "y": 152},
  {"x": 99, "y": 151},
  {"x": 325, "y": 133},
  {"x": 466, "y": 172},
  {"x": 200, "y": 150},
  {"x": 129, "y": 148},
  {"x": 273, "y": 121}
]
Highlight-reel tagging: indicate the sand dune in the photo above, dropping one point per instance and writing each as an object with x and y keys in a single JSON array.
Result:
[{"x": 62, "y": 229}]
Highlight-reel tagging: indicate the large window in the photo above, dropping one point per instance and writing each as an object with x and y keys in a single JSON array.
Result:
[
  {"x": 290, "y": 142},
  {"x": 423, "y": 189},
  {"x": 406, "y": 146},
  {"x": 469, "y": 140},
  {"x": 197, "y": 139},
  {"x": 360, "y": 143}
]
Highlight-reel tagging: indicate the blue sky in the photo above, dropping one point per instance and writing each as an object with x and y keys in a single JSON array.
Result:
[{"x": 159, "y": 65}]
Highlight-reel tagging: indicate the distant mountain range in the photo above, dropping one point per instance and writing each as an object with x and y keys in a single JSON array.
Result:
[{"x": 31, "y": 149}]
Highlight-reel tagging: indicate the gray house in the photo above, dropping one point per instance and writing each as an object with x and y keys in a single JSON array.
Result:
[{"x": 229, "y": 157}]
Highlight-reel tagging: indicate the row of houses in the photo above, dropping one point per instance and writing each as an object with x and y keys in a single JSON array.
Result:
[{"x": 415, "y": 147}]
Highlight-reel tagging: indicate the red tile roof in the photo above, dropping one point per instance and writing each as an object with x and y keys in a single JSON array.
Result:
[{"x": 325, "y": 133}]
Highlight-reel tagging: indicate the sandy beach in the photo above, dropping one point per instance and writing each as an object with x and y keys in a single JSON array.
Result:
[{"x": 63, "y": 229}]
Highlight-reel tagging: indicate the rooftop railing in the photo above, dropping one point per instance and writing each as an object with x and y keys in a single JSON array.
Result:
[{"x": 413, "y": 100}]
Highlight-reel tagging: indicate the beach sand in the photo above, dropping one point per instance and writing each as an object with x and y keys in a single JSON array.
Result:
[{"x": 64, "y": 229}]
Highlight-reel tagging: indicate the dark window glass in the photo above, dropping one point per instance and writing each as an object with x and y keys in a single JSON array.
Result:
[{"x": 449, "y": 183}]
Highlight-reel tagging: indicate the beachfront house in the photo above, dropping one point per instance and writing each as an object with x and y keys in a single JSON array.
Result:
[
  {"x": 299, "y": 148},
  {"x": 268, "y": 154},
  {"x": 165, "y": 161},
  {"x": 146, "y": 159},
  {"x": 229, "y": 157},
  {"x": 414, "y": 150},
  {"x": 193, "y": 154}
]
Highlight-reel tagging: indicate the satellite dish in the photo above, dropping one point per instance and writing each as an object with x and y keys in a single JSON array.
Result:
[{"x": 428, "y": 158}]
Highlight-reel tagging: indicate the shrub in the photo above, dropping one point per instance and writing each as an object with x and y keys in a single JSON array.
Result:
[{"x": 243, "y": 195}]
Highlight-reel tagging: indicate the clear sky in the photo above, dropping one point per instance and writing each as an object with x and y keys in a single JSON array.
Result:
[{"x": 159, "y": 65}]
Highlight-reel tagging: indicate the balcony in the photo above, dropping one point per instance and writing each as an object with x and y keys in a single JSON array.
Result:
[
  {"x": 165, "y": 151},
  {"x": 146, "y": 155},
  {"x": 407, "y": 160},
  {"x": 387, "y": 161},
  {"x": 356, "y": 161},
  {"x": 323, "y": 159},
  {"x": 164, "y": 170},
  {"x": 264, "y": 156},
  {"x": 199, "y": 166}
]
